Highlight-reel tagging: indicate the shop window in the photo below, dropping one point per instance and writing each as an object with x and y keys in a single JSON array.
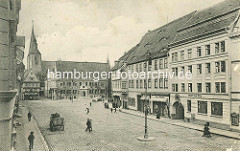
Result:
[
  {"x": 217, "y": 108},
  {"x": 202, "y": 107}
]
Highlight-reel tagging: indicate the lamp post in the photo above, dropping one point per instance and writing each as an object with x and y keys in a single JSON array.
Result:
[{"x": 146, "y": 102}]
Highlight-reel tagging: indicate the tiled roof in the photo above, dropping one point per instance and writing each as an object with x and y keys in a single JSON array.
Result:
[
  {"x": 209, "y": 21},
  {"x": 125, "y": 58},
  {"x": 69, "y": 66},
  {"x": 157, "y": 41}
]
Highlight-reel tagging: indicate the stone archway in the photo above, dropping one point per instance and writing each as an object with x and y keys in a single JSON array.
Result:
[{"x": 179, "y": 110}]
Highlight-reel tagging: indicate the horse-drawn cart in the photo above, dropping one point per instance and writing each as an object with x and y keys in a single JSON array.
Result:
[{"x": 56, "y": 122}]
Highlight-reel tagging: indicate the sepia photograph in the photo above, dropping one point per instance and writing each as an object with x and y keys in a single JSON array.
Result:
[{"x": 119, "y": 75}]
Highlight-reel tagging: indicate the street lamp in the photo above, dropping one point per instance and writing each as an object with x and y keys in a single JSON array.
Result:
[{"x": 146, "y": 106}]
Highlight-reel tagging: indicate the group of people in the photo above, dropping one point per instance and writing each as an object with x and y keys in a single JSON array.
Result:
[{"x": 115, "y": 110}]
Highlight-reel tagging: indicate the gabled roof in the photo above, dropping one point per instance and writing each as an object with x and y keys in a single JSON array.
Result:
[
  {"x": 29, "y": 76},
  {"x": 209, "y": 20},
  {"x": 156, "y": 41},
  {"x": 33, "y": 49}
]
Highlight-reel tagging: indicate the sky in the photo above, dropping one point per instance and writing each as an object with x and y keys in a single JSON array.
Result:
[{"x": 92, "y": 30}]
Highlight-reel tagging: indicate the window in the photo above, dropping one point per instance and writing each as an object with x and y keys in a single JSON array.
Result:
[
  {"x": 182, "y": 87},
  {"x": 155, "y": 83},
  {"x": 182, "y": 55},
  {"x": 136, "y": 67},
  {"x": 141, "y": 83},
  {"x": 199, "y": 52},
  {"x": 202, "y": 107},
  {"x": 199, "y": 87},
  {"x": 216, "y": 48},
  {"x": 86, "y": 84},
  {"x": 223, "y": 87},
  {"x": 190, "y": 69},
  {"x": 217, "y": 67},
  {"x": 189, "y": 87},
  {"x": 176, "y": 56},
  {"x": 175, "y": 87},
  {"x": 217, "y": 108},
  {"x": 165, "y": 63},
  {"x": 208, "y": 68},
  {"x": 217, "y": 85},
  {"x": 199, "y": 69},
  {"x": 140, "y": 67},
  {"x": 160, "y": 83},
  {"x": 189, "y": 53},
  {"x": 223, "y": 66},
  {"x": 149, "y": 83},
  {"x": 182, "y": 69},
  {"x": 137, "y": 86},
  {"x": 145, "y": 84},
  {"x": 149, "y": 66},
  {"x": 161, "y": 64},
  {"x": 129, "y": 83},
  {"x": 155, "y": 65},
  {"x": 208, "y": 87},
  {"x": 189, "y": 105},
  {"x": 222, "y": 46},
  {"x": 132, "y": 83},
  {"x": 176, "y": 71},
  {"x": 207, "y": 50},
  {"x": 165, "y": 83},
  {"x": 220, "y": 66}
]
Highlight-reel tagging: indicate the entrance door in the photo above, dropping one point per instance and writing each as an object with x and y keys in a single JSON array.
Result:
[{"x": 179, "y": 110}]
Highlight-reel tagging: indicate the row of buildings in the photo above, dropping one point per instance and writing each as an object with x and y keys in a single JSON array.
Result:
[
  {"x": 11, "y": 70},
  {"x": 40, "y": 77},
  {"x": 205, "y": 43}
]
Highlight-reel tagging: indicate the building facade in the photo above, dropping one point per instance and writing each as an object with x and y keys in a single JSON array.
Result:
[
  {"x": 209, "y": 54},
  {"x": 9, "y": 18}
]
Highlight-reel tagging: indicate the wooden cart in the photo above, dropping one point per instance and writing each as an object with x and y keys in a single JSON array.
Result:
[{"x": 56, "y": 122}]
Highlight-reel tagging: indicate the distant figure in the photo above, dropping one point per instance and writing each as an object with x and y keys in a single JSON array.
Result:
[
  {"x": 206, "y": 132},
  {"x": 120, "y": 109},
  {"x": 90, "y": 103},
  {"x": 115, "y": 110},
  {"x": 89, "y": 125},
  {"x": 87, "y": 110},
  {"x": 31, "y": 140},
  {"x": 29, "y": 116}
]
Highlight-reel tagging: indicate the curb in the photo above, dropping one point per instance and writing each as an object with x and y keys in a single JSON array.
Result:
[
  {"x": 238, "y": 138},
  {"x": 47, "y": 145}
]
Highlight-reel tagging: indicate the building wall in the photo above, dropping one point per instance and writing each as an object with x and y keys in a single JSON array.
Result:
[
  {"x": 8, "y": 27},
  {"x": 203, "y": 78}
]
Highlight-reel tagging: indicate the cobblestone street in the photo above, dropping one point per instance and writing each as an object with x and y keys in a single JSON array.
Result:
[{"x": 115, "y": 131}]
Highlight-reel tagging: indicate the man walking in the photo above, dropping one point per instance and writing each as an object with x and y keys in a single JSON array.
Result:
[
  {"x": 88, "y": 125},
  {"x": 31, "y": 140},
  {"x": 29, "y": 116}
]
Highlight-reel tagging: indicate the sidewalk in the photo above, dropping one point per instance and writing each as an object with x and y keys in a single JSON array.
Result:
[
  {"x": 39, "y": 142},
  {"x": 181, "y": 123}
]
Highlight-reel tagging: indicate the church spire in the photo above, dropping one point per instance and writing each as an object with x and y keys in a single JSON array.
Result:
[{"x": 33, "y": 49}]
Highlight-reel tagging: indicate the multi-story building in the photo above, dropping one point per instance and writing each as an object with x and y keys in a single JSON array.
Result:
[
  {"x": 208, "y": 48},
  {"x": 67, "y": 86},
  {"x": 9, "y": 18},
  {"x": 151, "y": 56}
]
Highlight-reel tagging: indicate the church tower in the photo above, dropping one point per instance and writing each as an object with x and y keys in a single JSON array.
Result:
[{"x": 34, "y": 56}]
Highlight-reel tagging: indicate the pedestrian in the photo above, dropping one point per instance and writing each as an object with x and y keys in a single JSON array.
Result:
[
  {"x": 206, "y": 132},
  {"x": 90, "y": 103},
  {"x": 31, "y": 140},
  {"x": 115, "y": 110},
  {"x": 88, "y": 123},
  {"x": 29, "y": 116},
  {"x": 87, "y": 110},
  {"x": 111, "y": 110},
  {"x": 120, "y": 109}
]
